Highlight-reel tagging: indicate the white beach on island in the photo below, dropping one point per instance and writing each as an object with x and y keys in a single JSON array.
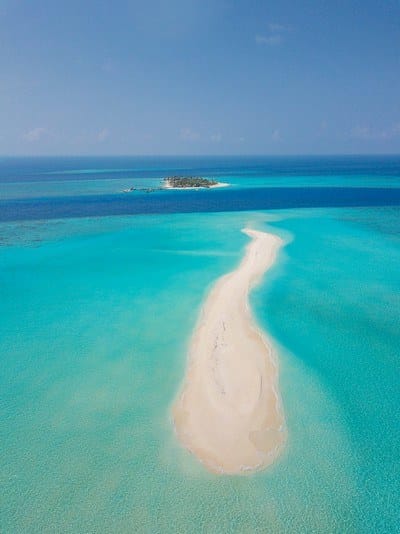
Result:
[
  {"x": 166, "y": 185},
  {"x": 229, "y": 413}
]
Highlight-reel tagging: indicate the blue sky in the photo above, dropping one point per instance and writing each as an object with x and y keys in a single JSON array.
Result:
[{"x": 199, "y": 77}]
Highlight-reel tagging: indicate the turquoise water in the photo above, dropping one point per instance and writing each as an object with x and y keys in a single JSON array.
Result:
[{"x": 96, "y": 314}]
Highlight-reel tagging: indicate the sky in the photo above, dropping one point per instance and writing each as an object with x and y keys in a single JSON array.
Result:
[{"x": 199, "y": 77}]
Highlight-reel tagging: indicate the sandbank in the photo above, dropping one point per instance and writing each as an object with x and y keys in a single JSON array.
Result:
[{"x": 229, "y": 413}]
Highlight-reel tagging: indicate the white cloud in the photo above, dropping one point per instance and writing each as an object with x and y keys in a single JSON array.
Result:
[
  {"x": 396, "y": 129},
  {"x": 34, "y": 135},
  {"x": 103, "y": 135},
  {"x": 216, "y": 138},
  {"x": 276, "y": 135},
  {"x": 277, "y": 27},
  {"x": 370, "y": 134},
  {"x": 187, "y": 134},
  {"x": 362, "y": 132},
  {"x": 108, "y": 66},
  {"x": 270, "y": 40},
  {"x": 273, "y": 36}
]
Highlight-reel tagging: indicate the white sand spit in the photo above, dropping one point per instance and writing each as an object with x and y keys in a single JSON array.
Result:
[{"x": 229, "y": 413}]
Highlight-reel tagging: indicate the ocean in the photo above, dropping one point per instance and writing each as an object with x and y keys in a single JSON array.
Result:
[{"x": 99, "y": 294}]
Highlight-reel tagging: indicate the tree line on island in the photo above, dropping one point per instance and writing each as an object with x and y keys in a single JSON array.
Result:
[
  {"x": 177, "y": 182},
  {"x": 189, "y": 181}
]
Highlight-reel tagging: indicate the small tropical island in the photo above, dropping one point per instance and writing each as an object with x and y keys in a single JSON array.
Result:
[
  {"x": 190, "y": 182},
  {"x": 179, "y": 182}
]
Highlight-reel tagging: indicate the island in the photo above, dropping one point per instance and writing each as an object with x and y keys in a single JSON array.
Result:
[
  {"x": 179, "y": 182},
  {"x": 191, "y": 182}
]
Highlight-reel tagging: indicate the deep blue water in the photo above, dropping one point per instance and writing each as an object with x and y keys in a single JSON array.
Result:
[
  {"x": 48, "y": 188},
  {"x": 54, "y": 168},
  {"x": 196, "y": 201}
]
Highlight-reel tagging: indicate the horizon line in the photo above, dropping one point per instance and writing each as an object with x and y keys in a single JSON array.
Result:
[{"x": 255, "y": 155}]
